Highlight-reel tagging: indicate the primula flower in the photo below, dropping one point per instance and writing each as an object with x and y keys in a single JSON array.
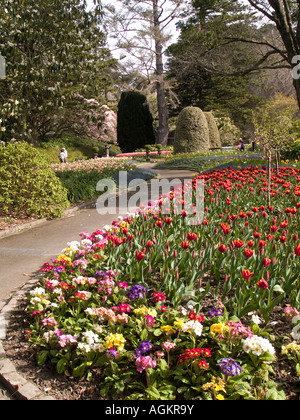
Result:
[
  {"x": 290, "y": 313},
  {"x": 124, "y": 307},
  {"x": 230, "y": 367},
  {"x": 169, "y": 346},
  {"x": 143, "y": 347},
  {"x": 142, "y": 363},
  {"x": 158, "y": 297},
  {"x": 115, "y": 340},
  {"x": 150, "y": 320},
  {"x": 217, "y": 384},
  {"x": 136, "y": 291},
  {"x": 203, "y": 364},
  {"x": 66, "y": 339},
  {"x": 258, "y": 346},
  {"x": 168, "y": 329},
  {"x": 112, "y": 353},
  {"x": 214, "y": 312}
]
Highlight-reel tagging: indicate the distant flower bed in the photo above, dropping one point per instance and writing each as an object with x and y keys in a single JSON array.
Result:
[
  {"x": 99, "y": 165},
  {"x": 163, "y": 152}
]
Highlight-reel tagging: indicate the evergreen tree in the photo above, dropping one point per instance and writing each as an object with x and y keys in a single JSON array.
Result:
[
  {"x": 134, "y": 123},
  {"x": 55, "y": 54}
]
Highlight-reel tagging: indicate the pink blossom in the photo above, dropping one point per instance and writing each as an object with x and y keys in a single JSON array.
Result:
[{"x": 142, "y": 363}]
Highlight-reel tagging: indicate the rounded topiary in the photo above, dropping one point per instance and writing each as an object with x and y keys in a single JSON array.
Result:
[
  {"x": 134, "y": 122},
  {"x": 192, "y": 134},
  {"x": 28, "y": 185},
  {"x": 214, "y": 135}
]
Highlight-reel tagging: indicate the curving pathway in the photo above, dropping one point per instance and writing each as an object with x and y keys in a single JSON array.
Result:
[{"x": 23, "y": 252}]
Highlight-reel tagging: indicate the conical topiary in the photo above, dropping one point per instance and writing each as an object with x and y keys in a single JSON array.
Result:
[
  {"x": 134, "y": 122},
  {"x": 214, "y": 135},
  {"x": 192, "y": 133}
]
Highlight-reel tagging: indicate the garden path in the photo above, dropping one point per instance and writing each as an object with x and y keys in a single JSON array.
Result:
[{"x": 22, "y": 254}]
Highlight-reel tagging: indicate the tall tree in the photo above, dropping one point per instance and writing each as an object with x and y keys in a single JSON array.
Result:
[
  {"x": 285, "y": 15},
  {"x": 142, "y": 30},
  {"x": 200, "y": 60},
  {"x": 54, "y": 54}
]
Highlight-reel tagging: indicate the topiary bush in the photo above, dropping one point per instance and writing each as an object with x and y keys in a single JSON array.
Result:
[
  {"x": 192, "y": 133},
  {"x": 214, "y": 135},
  {"x": 134, "y": 122},
  {"x": 28, "y": 185}
]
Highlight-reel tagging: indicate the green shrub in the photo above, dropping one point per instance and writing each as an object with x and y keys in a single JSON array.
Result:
[
  {"x": 291, "y": 151},
  {"x": 135, "y": 122},
  {"x": 214, "y": 135},
  {"x": 28, "y": 185},
  {"x": 81, "y": 185},
  {"x": 192, "y": 133}
]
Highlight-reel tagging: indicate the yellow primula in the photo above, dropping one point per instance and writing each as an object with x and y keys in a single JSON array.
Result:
[
  {"x": 290, "y": 348},
  {"x": 143, "y": 310},
  {"x": 116, "y": 341},
  {"x": 64, "y": 257},
  {"x": 179, "y": 324},
  {"x": 220, "y": 329},
  {"x": 216, "y": 385},
  {"x": 168, "y": 329}
]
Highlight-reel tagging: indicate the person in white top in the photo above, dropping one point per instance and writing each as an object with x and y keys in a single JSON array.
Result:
[{"x": 63, "y": 155}]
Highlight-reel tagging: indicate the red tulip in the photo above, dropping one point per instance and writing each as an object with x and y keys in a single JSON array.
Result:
[
  {"x": 249, "y": 252},
  {"x": 223, "y": 248},
  {"x": 238, "y": 243},
  {"x": 266, "y": 262},
  {"x": 192, "y": 236},
  {"x": 185, "y": 244},
  {"x": 297, "y": 250},
  {"x": 140, "y": 255},
  {"x": 262, "y": 284},
  {"x": 246, "y": 274}
]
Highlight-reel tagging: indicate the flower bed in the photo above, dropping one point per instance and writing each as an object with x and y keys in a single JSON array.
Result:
[
  {"x": 137, "y": 154},
  {"x": 98, "y": 164},
  {"x": 157, "y": 308}
]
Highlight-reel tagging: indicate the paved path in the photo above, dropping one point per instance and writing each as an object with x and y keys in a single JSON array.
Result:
[{"x": 22, "y": 254}]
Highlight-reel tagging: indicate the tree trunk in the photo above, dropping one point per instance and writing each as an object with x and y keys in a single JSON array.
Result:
[
  {"x": 163, "y": 127},
  {"x": 296, "y": 83}
]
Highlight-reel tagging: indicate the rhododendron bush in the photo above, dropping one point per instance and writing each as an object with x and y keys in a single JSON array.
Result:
[{"x": 163, "y": 306}]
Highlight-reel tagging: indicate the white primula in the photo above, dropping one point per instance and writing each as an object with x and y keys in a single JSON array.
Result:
[
  {"x": 90, "y": 342},
  {"x": 193, "y": 326},
  {"x": 258, "y": 346}
]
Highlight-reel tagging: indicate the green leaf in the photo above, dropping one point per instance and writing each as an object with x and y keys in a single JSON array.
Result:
[
  {"x": 60, "y": 367},
  {"x": 41, "y": 357}
]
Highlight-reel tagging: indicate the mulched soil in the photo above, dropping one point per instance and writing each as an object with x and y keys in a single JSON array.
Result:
[{"x": 63, "y": 387}]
